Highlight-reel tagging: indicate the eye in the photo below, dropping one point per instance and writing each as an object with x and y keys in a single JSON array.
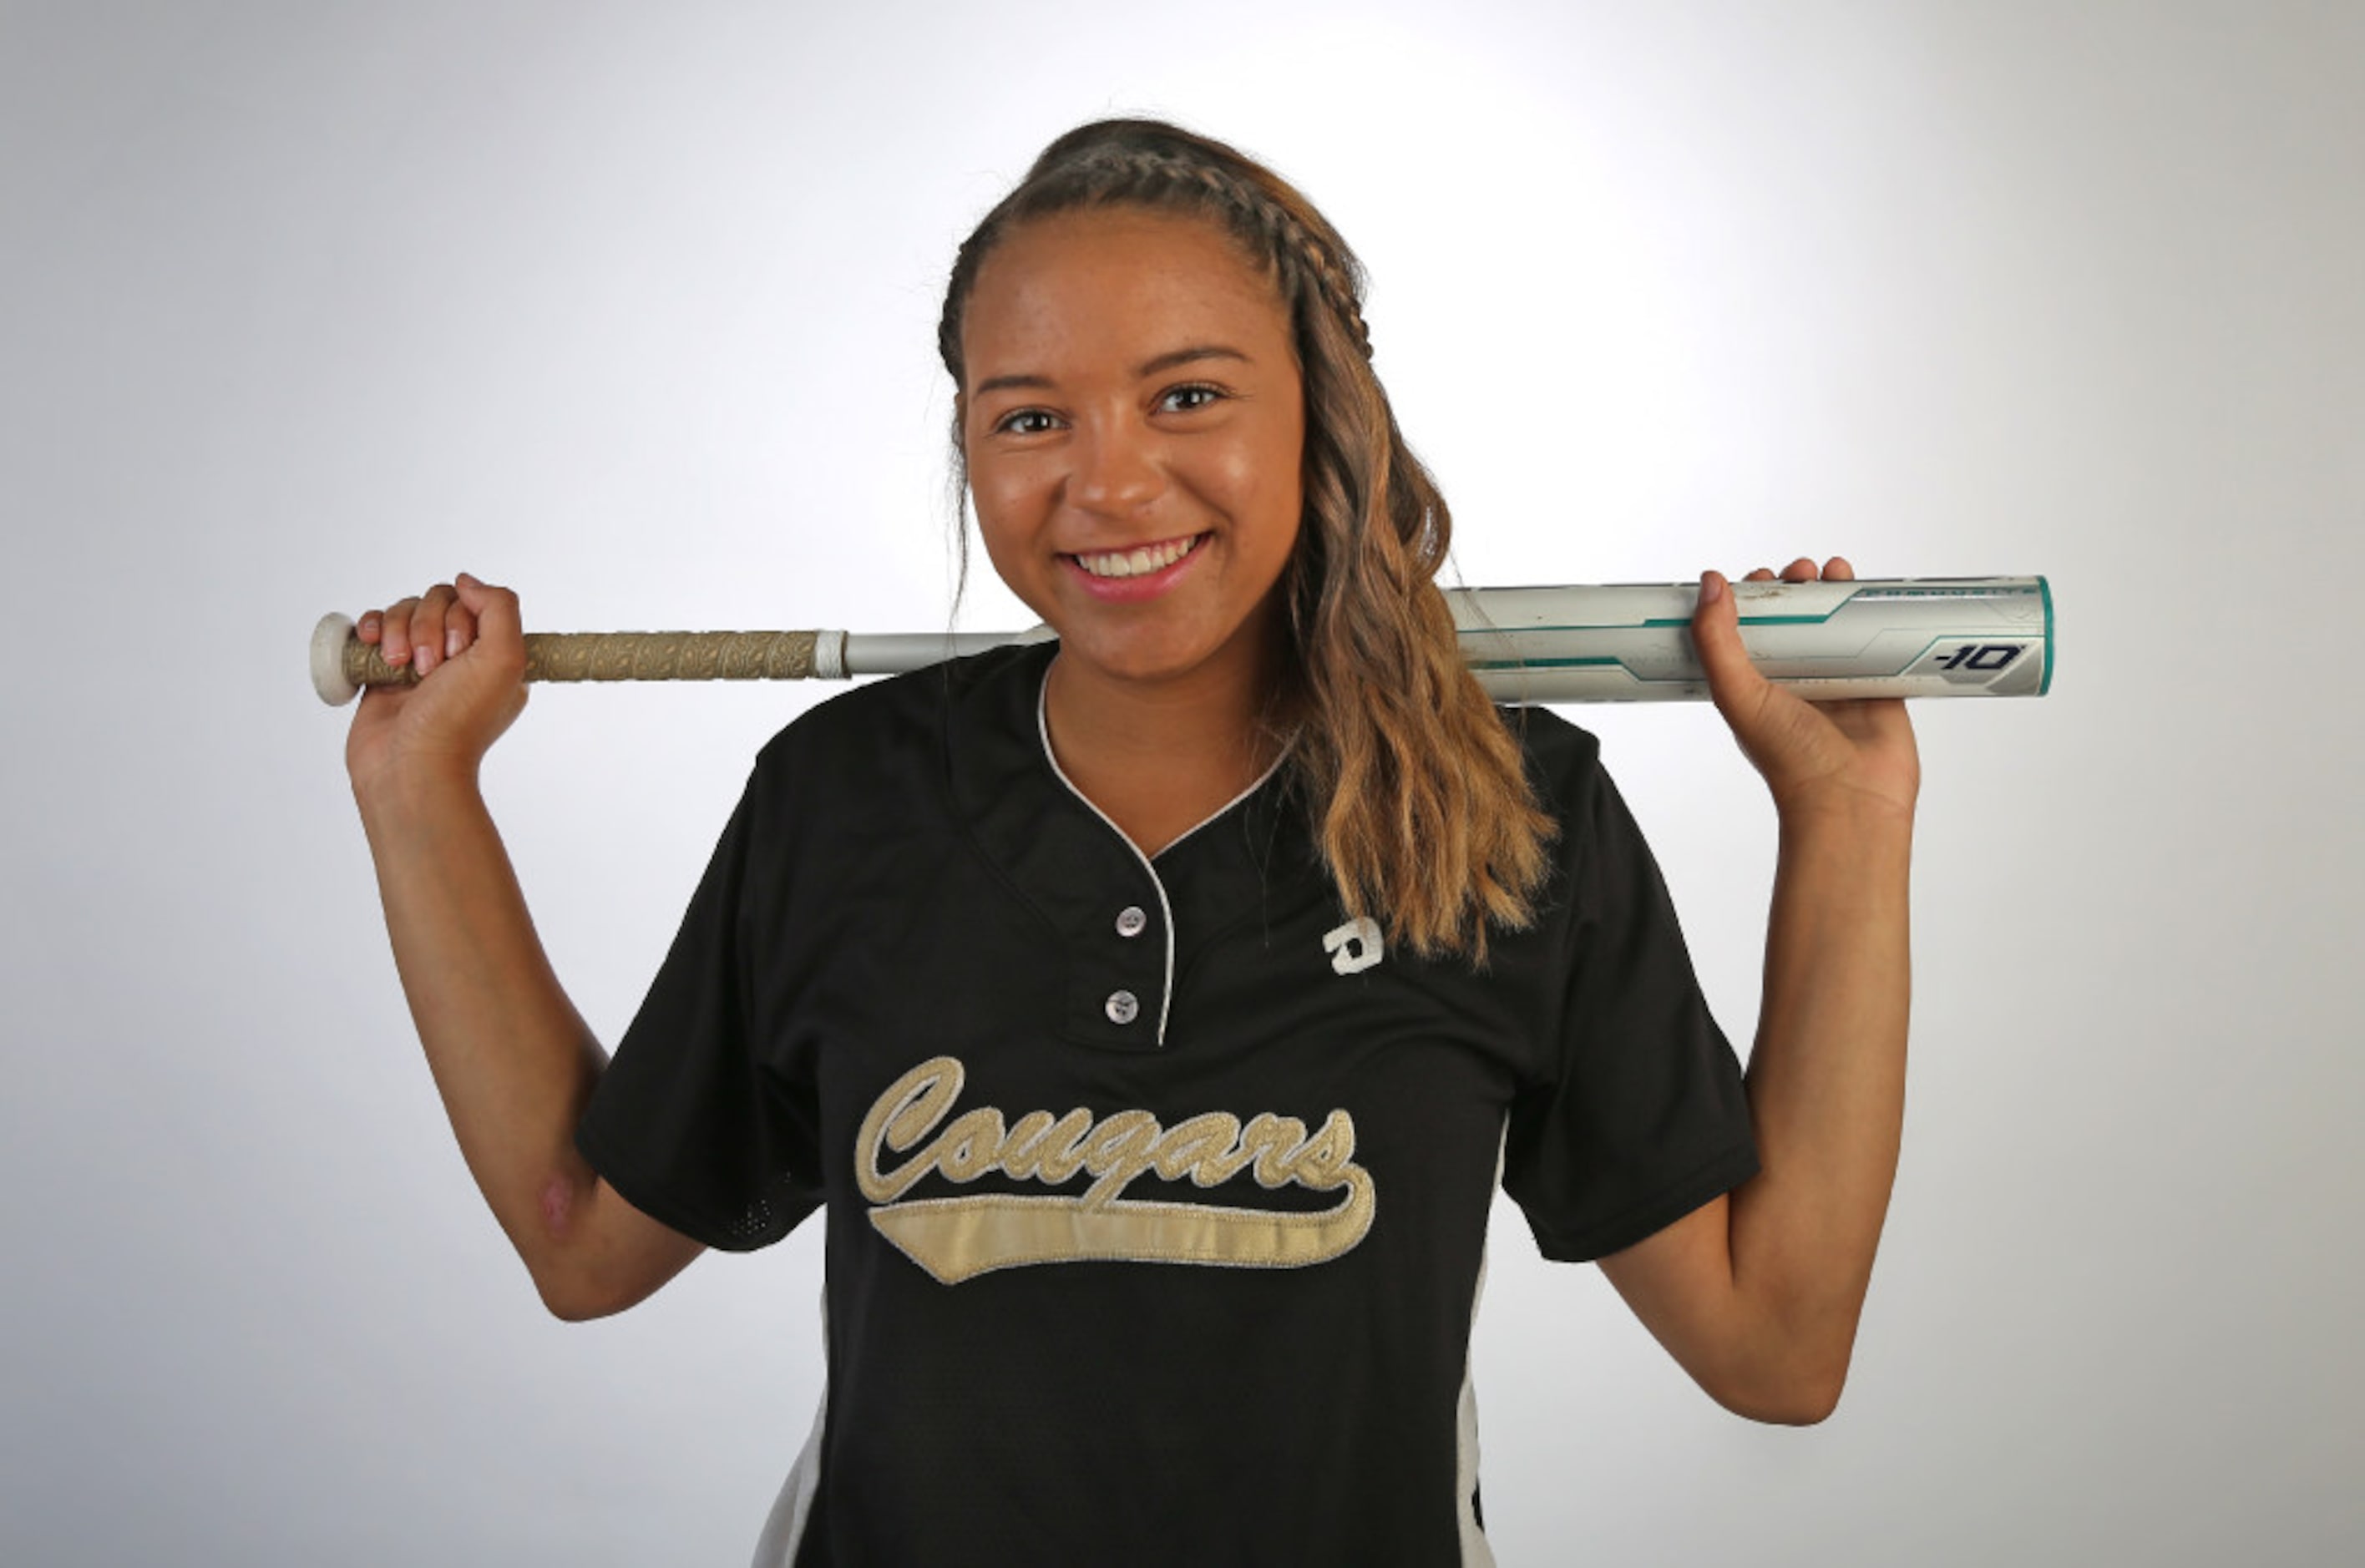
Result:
[
  {"x": 1189, "y": 398},
  {"x": 1025, "y": 421}
]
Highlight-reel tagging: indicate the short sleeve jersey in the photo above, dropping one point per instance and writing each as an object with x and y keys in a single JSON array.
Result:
[{"x": 1157, "y": 1188}]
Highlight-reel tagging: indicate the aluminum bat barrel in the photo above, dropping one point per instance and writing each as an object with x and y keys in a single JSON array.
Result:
[
  {"x": 1909, "y": 637},
  {"x": 1902, "y": 637}
]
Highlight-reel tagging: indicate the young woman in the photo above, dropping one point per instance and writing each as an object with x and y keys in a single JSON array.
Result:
[{"x": 1156, "y": 1011}]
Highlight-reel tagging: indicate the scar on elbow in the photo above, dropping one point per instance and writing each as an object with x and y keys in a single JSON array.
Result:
[{"x": 557, "y": 1206}]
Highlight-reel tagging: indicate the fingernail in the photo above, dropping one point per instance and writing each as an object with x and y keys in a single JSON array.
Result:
[
  {"x": 452, "y": 643},
  {"x": 1711, "y": 587}
]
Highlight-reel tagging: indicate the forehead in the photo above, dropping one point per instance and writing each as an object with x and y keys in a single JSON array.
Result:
[{"x": 1119, "y": 284}]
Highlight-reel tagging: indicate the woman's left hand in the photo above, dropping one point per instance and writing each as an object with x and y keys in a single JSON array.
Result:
[{"x": 1850, "y": 753}]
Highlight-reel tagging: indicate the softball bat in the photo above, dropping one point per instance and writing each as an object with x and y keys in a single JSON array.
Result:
[{"x": 1624, "y": 642}]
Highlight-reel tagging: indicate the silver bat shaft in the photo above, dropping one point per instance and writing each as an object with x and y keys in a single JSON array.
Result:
[{"x": 1628, "y": 643}]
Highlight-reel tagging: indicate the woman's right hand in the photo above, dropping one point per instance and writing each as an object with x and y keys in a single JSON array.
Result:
[{"x": 469, "y": 645}]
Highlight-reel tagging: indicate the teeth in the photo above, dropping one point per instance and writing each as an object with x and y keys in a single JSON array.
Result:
[{"x": 1138, "y": 562}]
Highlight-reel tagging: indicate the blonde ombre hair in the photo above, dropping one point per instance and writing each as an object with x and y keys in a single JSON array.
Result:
[{"x": 1422, "y": 805}]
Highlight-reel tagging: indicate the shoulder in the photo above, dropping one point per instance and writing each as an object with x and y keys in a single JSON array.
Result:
[
  {"x": 1563, "y": 761},
  {"x": 885, "y": 738},
  {"x": 1600, "y": 842}
]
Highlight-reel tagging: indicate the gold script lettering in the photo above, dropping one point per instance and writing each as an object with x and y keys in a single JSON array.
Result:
[
  {"x": 955, "y": 1238},
  {"x": 902, "y": 1117}
]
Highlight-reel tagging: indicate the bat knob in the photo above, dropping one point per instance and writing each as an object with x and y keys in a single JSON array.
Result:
[{"x": 329, "y": 677}]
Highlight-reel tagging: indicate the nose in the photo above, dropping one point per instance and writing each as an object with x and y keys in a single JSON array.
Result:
[{"x": 1116, "y": 470}]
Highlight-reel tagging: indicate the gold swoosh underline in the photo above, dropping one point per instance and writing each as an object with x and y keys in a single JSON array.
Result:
[{"x": 958, "y": 1239}]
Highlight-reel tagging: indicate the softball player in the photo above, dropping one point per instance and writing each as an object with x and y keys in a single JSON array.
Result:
[{"x": 1155, "y": 1012}]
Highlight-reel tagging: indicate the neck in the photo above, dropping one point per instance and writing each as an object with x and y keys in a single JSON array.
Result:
[{"x": 1159, "y": 759}]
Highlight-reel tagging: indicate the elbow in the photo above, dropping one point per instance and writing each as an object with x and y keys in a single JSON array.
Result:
[
  {"x": 1807, "y": 1405},
  {"x": 581, "y": 1285},
  {"x": 574, "y": 1308},
  {"x": 584, "y": 1305},
  {"x": 1802, "y": 1393},
  {"x": 562, "y": 1268},
  {"x": 597, "y": 1259},
  {"x": 558, "y": 1259},
  {"x": 566, "y": 1294}
]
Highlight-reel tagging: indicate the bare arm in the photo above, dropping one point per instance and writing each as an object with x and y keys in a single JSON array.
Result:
[
  {"x": 511, "y": 1056},
  {"x": 1758, "y": 1294}
]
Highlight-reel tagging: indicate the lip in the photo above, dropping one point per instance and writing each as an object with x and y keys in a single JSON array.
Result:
[{"x": 1131, "y": 590}]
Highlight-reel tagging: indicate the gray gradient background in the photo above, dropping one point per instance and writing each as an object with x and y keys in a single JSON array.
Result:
[{"x": 303, "y": 307}]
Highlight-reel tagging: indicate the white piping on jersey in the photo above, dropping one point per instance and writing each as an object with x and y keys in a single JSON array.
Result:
[
  {"x": 784, "y": 1528},
  {"x": 1043, "y": 728},
  {"x": 1475, "y": 1553}
]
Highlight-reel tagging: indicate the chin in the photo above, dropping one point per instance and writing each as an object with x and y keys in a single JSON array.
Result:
[
  {"x": 1150, "y": 649},
  {"x": 1136, "y": 665},
  {"x": 1139, "y": 652}
]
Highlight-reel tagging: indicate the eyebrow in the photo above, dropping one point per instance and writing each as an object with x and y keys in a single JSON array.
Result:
[
  {"x": 1187, "y": 356},
  {"x": 1150, "y": 368}
]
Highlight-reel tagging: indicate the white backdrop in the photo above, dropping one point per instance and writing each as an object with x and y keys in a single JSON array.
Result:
[{"x": 304, "y": 305}]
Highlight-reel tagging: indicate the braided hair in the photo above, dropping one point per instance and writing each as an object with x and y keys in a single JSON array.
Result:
[{"x": 1423, "y": 812}]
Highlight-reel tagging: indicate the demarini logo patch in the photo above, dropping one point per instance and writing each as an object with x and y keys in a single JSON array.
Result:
[
  {"x": 956, "y": 1238},
  {"x": 1354, "y": 947}
]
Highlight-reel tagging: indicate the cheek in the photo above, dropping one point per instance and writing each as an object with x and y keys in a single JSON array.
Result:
[
  {"x": 999, "y": 496},
  {"x": 1283, "y": 464},
  {"x": 1007, "y": 522}
]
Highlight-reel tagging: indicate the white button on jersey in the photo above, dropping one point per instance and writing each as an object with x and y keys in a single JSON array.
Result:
[
  {"x": 1131, "y": 921},
  {"x": 1123, "y": 1007}
]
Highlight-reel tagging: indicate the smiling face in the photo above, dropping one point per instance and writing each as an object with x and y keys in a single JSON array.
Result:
[{"x": 1133, "y": 421}]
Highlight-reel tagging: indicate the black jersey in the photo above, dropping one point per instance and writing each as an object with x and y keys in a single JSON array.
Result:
[{"x": 1158, "y": 1188}]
